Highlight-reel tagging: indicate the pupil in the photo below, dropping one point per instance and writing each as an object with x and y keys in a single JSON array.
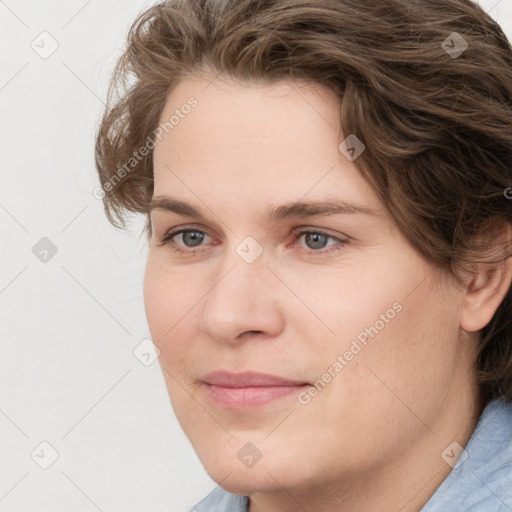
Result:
[
  {"x": 316, "y": 240},
  {"x": 194, "y": 237}
]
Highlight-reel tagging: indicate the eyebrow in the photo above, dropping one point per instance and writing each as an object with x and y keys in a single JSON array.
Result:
[{"x": 293, "y": 210}]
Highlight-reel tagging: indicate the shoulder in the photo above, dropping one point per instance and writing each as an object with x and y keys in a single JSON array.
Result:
[
  {"x": 482, "y": 478},
  {"x": 220, "y": 500}
]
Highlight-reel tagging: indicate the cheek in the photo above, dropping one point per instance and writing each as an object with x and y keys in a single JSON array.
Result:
[
  {"x": 332, "y": 306},
  {"x": 396, "y": 333},
  {"x": 421, "y": 345},
  {"x": 171, "y": 299},
  {"x": 404, "y": 365},
  {"x": 401, "y": 372}
]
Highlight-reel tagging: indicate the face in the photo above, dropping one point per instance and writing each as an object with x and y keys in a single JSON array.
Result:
[{"x": 250, "y": 273}]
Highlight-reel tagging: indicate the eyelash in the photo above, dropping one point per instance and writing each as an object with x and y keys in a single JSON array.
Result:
[{"x": 167, "y": 240}]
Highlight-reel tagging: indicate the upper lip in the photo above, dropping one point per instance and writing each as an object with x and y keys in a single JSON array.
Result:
[{"x": 248, "y": 379}]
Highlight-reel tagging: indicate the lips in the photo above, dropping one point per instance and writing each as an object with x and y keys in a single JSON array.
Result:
[
  {"x": 248, "y": 389},
  {"x": 248, "y": 379}
]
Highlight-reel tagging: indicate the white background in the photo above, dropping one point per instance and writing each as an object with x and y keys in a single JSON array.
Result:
[{"x": 69, "y": 325}]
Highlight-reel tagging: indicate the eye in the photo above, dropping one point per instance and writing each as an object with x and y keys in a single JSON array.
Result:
[
  {"x": 187, "y": 238},
  {"x": 316, "y": 241},
  {"x": 191, "y": 238}
]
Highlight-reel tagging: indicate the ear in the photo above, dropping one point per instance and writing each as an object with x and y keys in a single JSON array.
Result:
[{"x": 487, "y": 287}]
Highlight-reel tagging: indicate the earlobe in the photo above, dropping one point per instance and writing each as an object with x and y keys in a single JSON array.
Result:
[{"x": 484, "y": 293}]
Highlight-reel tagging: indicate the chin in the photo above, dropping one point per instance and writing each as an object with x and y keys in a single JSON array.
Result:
[
  {"x": 270, "y": 473},
  {"x": 246, "y": 481}
]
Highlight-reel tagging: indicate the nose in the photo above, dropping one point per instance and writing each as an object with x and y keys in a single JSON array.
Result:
[{"x": 242, "y": 304}]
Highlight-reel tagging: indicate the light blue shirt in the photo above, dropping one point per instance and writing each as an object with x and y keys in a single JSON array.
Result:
[{"x": 480, "y": 482}]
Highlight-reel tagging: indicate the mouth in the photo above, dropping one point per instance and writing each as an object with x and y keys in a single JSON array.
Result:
[{"x": 248, "y": 390}]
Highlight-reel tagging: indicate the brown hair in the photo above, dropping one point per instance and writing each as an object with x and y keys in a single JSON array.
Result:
[{"x": 437, "y": 125}]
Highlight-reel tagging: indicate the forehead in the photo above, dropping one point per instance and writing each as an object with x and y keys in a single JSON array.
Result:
[
  {"x": 255, "y": 142},
  {"x": 281, "y": 112}
]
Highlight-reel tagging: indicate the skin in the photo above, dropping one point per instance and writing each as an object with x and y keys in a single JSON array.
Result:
[{"x": 372, "y": 439}]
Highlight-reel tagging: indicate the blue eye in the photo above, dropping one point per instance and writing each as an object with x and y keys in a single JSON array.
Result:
[
  {"x": 189, "y": 237},
  {"x": 315, "y": 241}
]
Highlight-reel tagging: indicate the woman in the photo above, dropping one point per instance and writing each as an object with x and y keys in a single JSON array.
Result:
[{"x": 330, "y": 240}]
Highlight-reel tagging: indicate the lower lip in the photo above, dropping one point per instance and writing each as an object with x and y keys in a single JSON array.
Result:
[{"x": 246, "y": 398}]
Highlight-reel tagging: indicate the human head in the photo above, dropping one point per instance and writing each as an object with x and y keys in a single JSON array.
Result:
[
  {"x": 437, "y": 157},
  {"x": 436, "y": 129}
]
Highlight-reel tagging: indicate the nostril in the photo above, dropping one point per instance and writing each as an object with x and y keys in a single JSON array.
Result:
[{"x": 251, "y": 332}]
